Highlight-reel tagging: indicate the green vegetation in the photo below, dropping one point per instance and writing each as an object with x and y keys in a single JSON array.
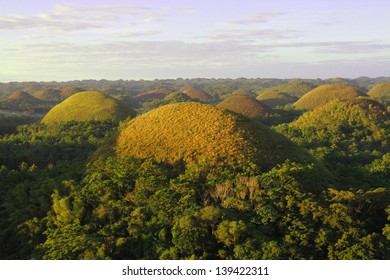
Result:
[
  {"x": 48, "y": 94},
  {"x": 323, "y": 94},
  {"x": 88, "y": 105},
  {"x": 349, "y": 136},
  {"x": 153, "y": 94},
  {"x": 381, "y": 92},
  {"x": 246, "y": 106},
  {"x": 191, "y": 181}
]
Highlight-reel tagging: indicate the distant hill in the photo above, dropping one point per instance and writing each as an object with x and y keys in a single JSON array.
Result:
[
  {"x": 325, "y": 93},
  {"x": 284, "y": 94},
  {"x": 196, "y": 94},
  {"x": 153, "y": 94},
  {"x": 48, "y": 94},
  {"x": 198, "y": 133},
  {"x": 88, "y": 105},
  {"x": 22, "y": 96},
  {"x": 245, "y": 105},
  {"x": 68, "y": 91},
  {"x": 275, "y": 99},
  {"x": 240, "y": 91},
  {"x": 381, "y": 92}
]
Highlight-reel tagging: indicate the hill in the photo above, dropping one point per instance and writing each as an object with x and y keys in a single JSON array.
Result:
[
  {"x": 196, "y": 94},
  {"x": 294, "y": 89},
  {"x": 88, "y": 105},
  {"x": 381, "y": 92},
  {"x": 240, "y": 91},
  {"x": 275, "y": 99},
  {"x": 68, "y": 91},
  {"x": 48, "y": 94},
  {"x": 326, "y": 93},
  {"x": 357, "y": 121},
  {"x": 22, "y": 96},
  {"x": 199, "y": 133},
  {"x": 153, "y": 94},
  {"x": 245, "y": 105}
]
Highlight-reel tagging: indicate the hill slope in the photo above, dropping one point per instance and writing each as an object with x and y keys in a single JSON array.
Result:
[
  {"x": 196, "y": 94},
  {"x": 22, "y": 96},
  {"x": 246, "y": 106},
  {"x": 381, "y": 92},
  {"x": 88, "y": 105},
  {"x": 199, "y": 133},
  {"x": 325, "y": 93}
]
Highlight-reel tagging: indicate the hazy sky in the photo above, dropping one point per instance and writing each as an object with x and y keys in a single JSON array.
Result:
[{"x": 123, "y": 39}]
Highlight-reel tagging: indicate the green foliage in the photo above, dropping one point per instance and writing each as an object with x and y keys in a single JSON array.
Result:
[{"x": 381, "y": 92}]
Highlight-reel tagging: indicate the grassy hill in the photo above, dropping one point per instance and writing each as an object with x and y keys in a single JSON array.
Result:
[
  {"x": 245, "y": 105},
  {"x": 88, "y": 105},
  {"x": 275, "y": 99},
  {"x": 198, "y": 133},
  {"x": 153, "y": 94},
  {"x": 48, "y": 94},
  {"x": 196, "y": 94},
  {"x": 326, "y": 93},
  {"x": 340, "y": 122},
  {"x": 68, "y": 91},
  {"x": 240, "y": 91},
  {"x": 294, "y": 89},
  {"x": 22, "y": 96},
  {"x": 381, "y": 92}
]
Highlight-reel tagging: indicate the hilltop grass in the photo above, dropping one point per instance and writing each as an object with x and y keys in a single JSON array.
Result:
[
  {"x": 88, "y": 106},
  {"x": 381, "y": 92},
  {"x": 202, "y": 134},
  {"x": 196, "y": 94},
  {"x": 325, "y": 93},
  {"x": 245, "y": 105}
]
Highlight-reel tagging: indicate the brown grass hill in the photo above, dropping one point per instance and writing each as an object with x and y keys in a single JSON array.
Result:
[
  {"x": 153, "y": 94},
  {"x": 275, "y": 99},
  {"x": 245, "y": 105},
  {"x": 196, "y": 133},
  {"x": 381, "y": 92},
  {"x": 86, "y": 106},
  {"x": 23, "y": 97},
  {"x": 68, "y": 91},
  {"x": 48, "y": 94},
  {"x": 196, "y": 94},
  {"x": 326, "y": 93},
  {"x": 240, "y": 91},
  {"x": 294, "y": 88}
]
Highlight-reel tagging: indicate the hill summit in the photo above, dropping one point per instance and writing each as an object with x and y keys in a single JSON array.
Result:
[
  {"x": 245, "y": 105},
  {"x": 86, "y": 106},
  {"x": 192, "y": 132},
  {"x": 325, "y": 93}
]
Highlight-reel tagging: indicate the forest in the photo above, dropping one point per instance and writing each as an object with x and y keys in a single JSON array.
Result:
[{"x": 195, "y": 169}]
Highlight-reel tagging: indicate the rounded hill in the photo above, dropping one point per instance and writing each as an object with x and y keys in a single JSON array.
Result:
[
  {"x": 381, "y": 92},
  {"x": 275, "y": 99},
  {"x": 68, "y": 91},
  {"x": 153, "y": 94},
  {"x": 203, "y": 134},
  {"x": 326, "y": 93},
  {"x": 245, "y": 105},
  {"x": 196, "y": 94},
  {"x": 358, "y": 120},
  {"x": 48, "y": 94},
  {"x": 23, "y": 96},
  {"x": 240, "y": 91},
  {"x": 86, "y": 106}
]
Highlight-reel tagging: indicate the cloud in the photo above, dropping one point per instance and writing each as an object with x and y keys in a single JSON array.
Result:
[
  {"x": 67, "y": 17},
  {"x": 341, "y": 47},
  {"x": 257, "y": 18}
]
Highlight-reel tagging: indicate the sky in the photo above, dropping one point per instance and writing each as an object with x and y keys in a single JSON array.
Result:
[{"x": 62, "y": 40}]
